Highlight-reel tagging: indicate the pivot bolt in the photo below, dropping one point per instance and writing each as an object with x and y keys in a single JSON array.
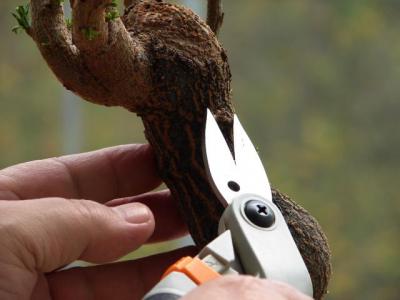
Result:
[{"x": 259, "y": 213}]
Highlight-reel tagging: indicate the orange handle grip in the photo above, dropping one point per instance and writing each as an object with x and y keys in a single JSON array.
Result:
[{"x": 194, "y": 268}]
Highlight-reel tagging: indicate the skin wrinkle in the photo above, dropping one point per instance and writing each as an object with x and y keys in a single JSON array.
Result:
[
  {"x": 10, "y": 190},
  {"x": 20, "y": 243},
  {"x": 13, "y": 264},
  {"x": 20, "y": 269},
  {"x": 75, "y": 182},
  {"x": 34, "y": 247},
  {"x": 117, "y": 184},
  {"x": 88, "y": 212},
  {"x": 63, "y": 256},
  {"x": 9, "y": 294},
  {"x": 9, "y": 195}
]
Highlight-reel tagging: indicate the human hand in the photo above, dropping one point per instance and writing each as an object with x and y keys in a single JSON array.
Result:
[
  {"x": 245, "y": 288},
  {"x": 43, "y": 225}
]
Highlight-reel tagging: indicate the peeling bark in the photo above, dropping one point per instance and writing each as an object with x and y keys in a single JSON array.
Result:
[{"x": 164, "y": 63}]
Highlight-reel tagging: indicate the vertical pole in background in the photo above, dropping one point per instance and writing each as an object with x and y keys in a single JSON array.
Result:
[{"x": 71, "y": 115}]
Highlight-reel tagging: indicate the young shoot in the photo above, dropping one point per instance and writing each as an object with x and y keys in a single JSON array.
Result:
[
  {"x": 68, "y": 23},
  {"x": 21, "y": 14},
  {"x": 112, "y": 12}
]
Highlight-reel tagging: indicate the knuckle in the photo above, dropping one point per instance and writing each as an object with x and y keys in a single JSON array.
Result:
[
  {"x": 92, "y": 215},
  {"x": 87, "y": 210}
]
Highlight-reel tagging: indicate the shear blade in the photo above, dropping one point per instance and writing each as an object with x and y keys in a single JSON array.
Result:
[
  {"x": 245, "y": 172},
  {"x": 249, "y": 164},
  {"x": 219, "y": 161}
]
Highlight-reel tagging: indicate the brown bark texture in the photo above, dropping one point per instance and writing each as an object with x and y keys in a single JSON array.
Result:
[{"x": 164, "y": 63}]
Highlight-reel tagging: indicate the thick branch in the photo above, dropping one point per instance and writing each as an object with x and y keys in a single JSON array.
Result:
[
  {"x": 55, "y": 43},
  {"x": 215, "y": 15},
  {"x": 121, "y": 67},
  {"x": 49, "y": 31},
  {"x": 111, "y": 53},
  {"x": 96, "y": 70},
  {"x": 89, "y": 27}
]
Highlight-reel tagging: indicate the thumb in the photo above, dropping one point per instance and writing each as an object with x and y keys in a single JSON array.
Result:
[{"x": 49, "y": 233}]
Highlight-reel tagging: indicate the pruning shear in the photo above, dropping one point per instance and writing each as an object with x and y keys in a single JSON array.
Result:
[{"x": 253, "y": 239}]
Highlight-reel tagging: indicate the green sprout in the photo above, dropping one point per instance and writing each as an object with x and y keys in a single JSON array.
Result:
[
  {"x": 90, "y": 33},
  {"x": 112, "y": 14},
  {"x": 68, "y": 23},
  {"x": 22, "y": 16}
]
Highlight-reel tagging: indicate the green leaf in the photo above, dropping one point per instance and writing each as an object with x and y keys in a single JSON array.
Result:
[
  {"x": 112, "y": 14},
  {"x": 22, "y": 16},
  {"x": 68, "y": 23},
  {"x": 16, "y": 29}
]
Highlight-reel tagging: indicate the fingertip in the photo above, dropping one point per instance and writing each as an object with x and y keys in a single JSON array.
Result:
[
  {"x": 169, "y": 223},
  {"x": 139, "y": 223},
  {"x": 134, "y": 213},
  {"x": 136, "y": 169}
]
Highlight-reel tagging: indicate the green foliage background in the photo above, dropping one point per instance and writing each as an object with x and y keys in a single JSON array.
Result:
[{"x": 316, "y": 85}]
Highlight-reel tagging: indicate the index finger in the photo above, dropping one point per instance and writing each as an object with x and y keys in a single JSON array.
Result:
[{"x": 100, "y": 175}]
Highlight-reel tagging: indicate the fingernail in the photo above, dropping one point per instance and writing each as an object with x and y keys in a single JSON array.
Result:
[{"x": 135, "y": 213}]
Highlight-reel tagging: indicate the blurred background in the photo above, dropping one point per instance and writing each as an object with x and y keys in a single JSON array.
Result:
[{"x": 316, "y": 85}]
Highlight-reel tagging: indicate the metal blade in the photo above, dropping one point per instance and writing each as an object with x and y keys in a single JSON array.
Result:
[
  {"x": 249, "y": 165},
  {"x": 219, "y": 161}
]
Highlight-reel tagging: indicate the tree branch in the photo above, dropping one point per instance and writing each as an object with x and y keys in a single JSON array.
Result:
[
  {"x": 109, "y": 51},
  {"x": 89, "y": 27},
  {"x": 54, "y": 41},
  {"x": 215, "y": 15},
  {"x": 94, "y": 68}
]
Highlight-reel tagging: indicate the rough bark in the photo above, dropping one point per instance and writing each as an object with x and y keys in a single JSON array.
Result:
[
  {"x": 164, "y": 63},
  {"x": 310, "y": 240}
]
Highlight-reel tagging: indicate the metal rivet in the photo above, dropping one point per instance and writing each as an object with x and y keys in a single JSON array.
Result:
[{"x": 259, "y": 213}]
